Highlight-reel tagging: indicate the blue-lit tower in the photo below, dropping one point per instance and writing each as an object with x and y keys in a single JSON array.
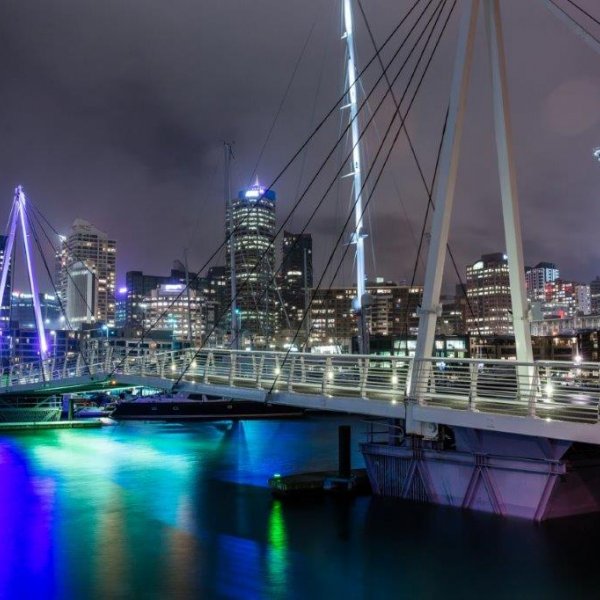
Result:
[{"x": 252, "y": 216}]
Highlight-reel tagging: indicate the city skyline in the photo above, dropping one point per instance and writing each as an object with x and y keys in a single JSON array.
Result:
[{"x": 117, "y": 154}]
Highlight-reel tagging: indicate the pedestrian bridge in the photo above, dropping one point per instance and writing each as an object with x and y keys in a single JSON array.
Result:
[{"x": 556, "y": 400}]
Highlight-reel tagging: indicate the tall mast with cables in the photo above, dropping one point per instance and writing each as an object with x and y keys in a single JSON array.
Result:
[
  {"x": 358, "y": 235},
  {"x": 19, "y": 215},
  {"x": 235, "y": 337}
]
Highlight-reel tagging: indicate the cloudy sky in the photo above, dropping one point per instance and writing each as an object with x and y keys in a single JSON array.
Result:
[{"x": 116, "y": 112}]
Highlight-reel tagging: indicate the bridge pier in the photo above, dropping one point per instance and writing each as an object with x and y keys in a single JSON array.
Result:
[{"x": 500, "y": 473}]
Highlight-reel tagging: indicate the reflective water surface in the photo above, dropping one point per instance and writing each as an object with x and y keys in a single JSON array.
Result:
[{"x": 182, "y": 511}]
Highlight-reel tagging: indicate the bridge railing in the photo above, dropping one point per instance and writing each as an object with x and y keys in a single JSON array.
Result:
[
  {"x": 550, "y": 389},
  {"x": 545, "y": 389}
]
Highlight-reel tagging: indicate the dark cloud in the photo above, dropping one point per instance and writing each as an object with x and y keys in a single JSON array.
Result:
[{"x": 115, "y": 112}]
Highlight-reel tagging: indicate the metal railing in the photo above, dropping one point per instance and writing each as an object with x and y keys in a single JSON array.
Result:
[{"x": 555, "y": 390}]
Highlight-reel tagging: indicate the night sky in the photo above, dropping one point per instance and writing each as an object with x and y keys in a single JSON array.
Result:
[{"x": 116, "y": 111}]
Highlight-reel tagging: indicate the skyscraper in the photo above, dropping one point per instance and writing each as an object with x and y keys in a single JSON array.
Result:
[
  {"x": 488, "y": 291},
  {"x": 296, "y": 277},
  {"x": 97, "y": 254},
  {"x": 251, "y": 216}
]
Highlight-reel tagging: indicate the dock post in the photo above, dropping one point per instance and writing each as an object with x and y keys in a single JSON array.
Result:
[{"x": 344, "y": 463}]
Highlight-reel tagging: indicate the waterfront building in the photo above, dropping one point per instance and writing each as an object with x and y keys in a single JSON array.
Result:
[
  {"x": 22, "y": 316},
  {"x": 488, "y": 294},
  {"x": 536, "y": 279},
  {"x": 390, "y": 311},
  {"x": 88, "y": 248},
  {"x": 251, "y": 216},
  {"x": 168, "y": 307},
  {"x": 296, "y": 277},
  {"x": 561, "y": 299}
]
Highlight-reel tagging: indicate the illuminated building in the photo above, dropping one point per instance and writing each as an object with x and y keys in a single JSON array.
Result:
[
  {"x": 22, "y": 316},
  {"x": 252, "y": 218},
  {"x": 4, "y": 311},
  {"x": 488, "y": 293},
  {"x": 391, "y": 311},
  {"x": 536, "y": 279},
  {"x": 88, "y": 248},
  {"x": 167, "y": 308},
  {"x": 595, "y": 296},
  {"x": 293, "y": 282},
  {"x": 81, "y": 294}
]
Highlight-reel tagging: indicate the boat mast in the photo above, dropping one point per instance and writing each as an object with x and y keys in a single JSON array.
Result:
[
  {"x": 358, "y": 235},
  {"x": 235, "y": 338},
  {"x": 187, "y": 289}
]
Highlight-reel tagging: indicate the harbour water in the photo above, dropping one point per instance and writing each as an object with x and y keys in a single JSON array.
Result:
[{"x": 150, "y": 510}]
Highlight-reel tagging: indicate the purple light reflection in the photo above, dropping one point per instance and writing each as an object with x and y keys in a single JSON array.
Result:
[{"x": 26, "y": 565}]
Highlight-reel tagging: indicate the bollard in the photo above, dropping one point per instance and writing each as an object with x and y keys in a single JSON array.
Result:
[{"x": 344, "y": 466}]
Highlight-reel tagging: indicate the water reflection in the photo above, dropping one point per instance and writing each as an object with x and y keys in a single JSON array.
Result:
[
  {"x": 277, "y": 553},
  {"x": 166, "y": 511},
  {"x": 26, "y": 544}
]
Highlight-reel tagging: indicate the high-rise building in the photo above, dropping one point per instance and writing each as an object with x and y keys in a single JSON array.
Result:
[
  {"x": 251, "y": 216},
  {"x": 88, "y": 248},
  {"x": 296, "y": 278},
  {"x": 595, "y": 295},
  {"x": 536, "y": 279},
  {"x": 488, "y": 293}
]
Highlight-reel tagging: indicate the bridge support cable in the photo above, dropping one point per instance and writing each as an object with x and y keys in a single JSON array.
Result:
[
  {"x": 381, "y": 170},
  {"x": 340, "y": 140},
  {"x": 581, "y": 32},
  {"x": 436, "y": 14},
  {"x": 428, "y": 187},
  {"x": 305, "y": 144}
]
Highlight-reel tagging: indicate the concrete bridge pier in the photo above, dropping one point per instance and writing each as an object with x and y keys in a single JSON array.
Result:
[{"x": 506, "y": 474}]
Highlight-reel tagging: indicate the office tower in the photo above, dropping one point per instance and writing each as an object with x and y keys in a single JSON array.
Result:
[
  {"x": 296, "y": 278},
  {"x": 488, "y": 292},
  {"x": 88, "y": 248},
  {"x": 251, "y": 216}
]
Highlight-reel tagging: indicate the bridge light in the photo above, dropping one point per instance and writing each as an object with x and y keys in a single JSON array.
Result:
[
  {"x": 277, "y": 371},
  {"x": 394, "y": 379},
  {"x": 549, "y": 389},
  {"x": 330, "y": 375},
  {"x": 173, "y": 367},
  {"x": 578, "y": 359}
]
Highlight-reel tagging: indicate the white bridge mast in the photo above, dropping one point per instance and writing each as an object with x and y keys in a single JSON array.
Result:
[{"x": 358, "y": 236}]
